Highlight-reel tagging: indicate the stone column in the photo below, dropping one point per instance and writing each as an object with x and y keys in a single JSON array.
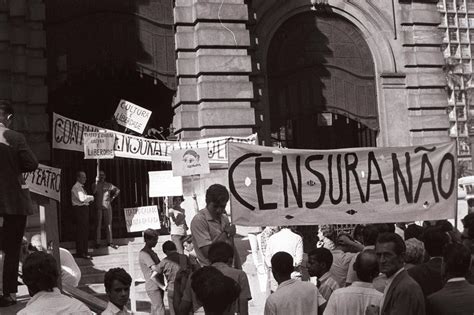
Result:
[{"x": 213, "y": 67}]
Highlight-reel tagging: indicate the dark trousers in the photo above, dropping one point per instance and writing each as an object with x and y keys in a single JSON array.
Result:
[
  {"x": 13, "y": 230},
  {"x": 81, "y": 214}
]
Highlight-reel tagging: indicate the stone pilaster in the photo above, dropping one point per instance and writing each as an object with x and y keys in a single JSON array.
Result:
[{"x": 213, "y": 67}]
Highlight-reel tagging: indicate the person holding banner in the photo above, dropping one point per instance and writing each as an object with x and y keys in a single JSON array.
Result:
[
  {"x": 80, "y": 204},
  {"x": 15, "y": 202}
]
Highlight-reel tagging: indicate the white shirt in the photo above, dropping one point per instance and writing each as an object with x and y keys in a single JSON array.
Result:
[
  {"x": 294, "y": 297},
  {"x": 353, "y": 300},
  {"x": 70, "y": 272},
  {"x": 285, "y": 241},
  {"x": 351, "y": 273},
  {"x": 54, "y": 303},
  {"x": 340, "y": 265},
  {"x": 79, "y": 197},
  {"x": 112, "y": 309}
]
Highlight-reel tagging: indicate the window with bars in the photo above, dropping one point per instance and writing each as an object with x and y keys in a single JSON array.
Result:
[
  {"x": 462, "y": 20},
  {"x": 451, "y": 20},
  {"x": 453, "y": 49},
  {"x": 453, "y": 35},
  {"x": 465, "y": 51},
  {"x": 463, "y": 36}
]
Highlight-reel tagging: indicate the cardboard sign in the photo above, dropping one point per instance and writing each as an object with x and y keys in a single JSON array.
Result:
[
  {"x": 132, "y": 116},
  {"x": 45, "y": 181},
  {"x": 190, "y": 162},
  {"x": 99, "y": 145},
  {"x": 142, "y": 218},
  {"x": 163, "y": 184},
  {"x": 271, "y": 187},
  {"x": 68, "y": 135}
]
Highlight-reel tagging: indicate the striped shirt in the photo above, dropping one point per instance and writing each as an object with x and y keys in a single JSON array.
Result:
[{"x": 327, "y": 285}]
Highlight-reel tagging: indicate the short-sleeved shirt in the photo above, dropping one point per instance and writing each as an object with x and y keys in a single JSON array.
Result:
[
  {"x": 353, "y": 300},
  {"x": 340, "y": 265},
  {"x": 54, "y": 303},
  {"x": 170, "y": 266},
  {"x": 114, "y": 310},
  {"x": 205, "y": 231},
  {"x": 146, "y": 262},
  {"x": 103, "y": 195}
]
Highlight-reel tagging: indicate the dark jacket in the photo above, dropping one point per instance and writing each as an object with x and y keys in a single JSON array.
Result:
[
  {"x": 15, "y": 158},
  {"x": 404, "y": 297},
  {"x": 428, "y": 276},
  {"x": 456, "y": 298}
]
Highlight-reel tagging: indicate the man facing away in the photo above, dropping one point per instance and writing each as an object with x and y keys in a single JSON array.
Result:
[
  {"x": 292, "y": 296},
  {"x": 117, "y": 284},
  {"x": 457, "y": 296},
  {"x": 319, "y": 265},
  {"x": 80, "y": 204},
  {"x": 104, "y": 193},
  {"x": 15, "y": 203},
  {"x": 402, "y": 295},
  {"x": 355, "y": 299}
]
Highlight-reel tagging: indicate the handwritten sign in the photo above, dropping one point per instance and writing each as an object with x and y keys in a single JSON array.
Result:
[
  {"x": 190, "y": 162},
  {"x": 45, "y": 181},
  {"x": 163, "y": 184},
  {"x": 142, "y": 218},
  {"x": 99, "y": 145},
  {"x": 271, "y": 187},
  {"x": 132, "y": 116},
  {"x": 68, "y": 135}
]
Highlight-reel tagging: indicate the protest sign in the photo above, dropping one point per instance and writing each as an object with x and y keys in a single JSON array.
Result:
[
  {"x": 99, "y": 145},
  {"x": 190, "y": 162},
  {"x": 45, "y": 181},
  {"x": 163, "y": 184},
  {"x": 142, "y": 218},
  {"x": 68, "y": 135},
  {"x": 132, "y": 116},
  {"x": 271, "y": 187}
]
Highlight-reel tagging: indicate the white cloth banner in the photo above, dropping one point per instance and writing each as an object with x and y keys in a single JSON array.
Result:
[
  {"x": 68, "y": 135},
  {"x": 45, "y": 181}
]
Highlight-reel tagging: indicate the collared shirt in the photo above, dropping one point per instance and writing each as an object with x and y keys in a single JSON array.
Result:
[
  {"x": 146, "y": 262},
  {"x": 53, "y": 303},
  {"x": 351, "y": 273},
  {"x": 112, "y": 309},
  {"x": 388, "y": 284},
  {"x": 285, "y": 241},
  {"x": 170, "y": 266},
  {"x": 104, "y": 192},
  {"x": 205, "y": 231},
  {"x": 457, "y": 279},
  {"x": 328, "y": 285},
  {"x": 294, "y": 297},
  {"x": 353, "y": 300},
  {"x": 340, "y": 265},
  {"x": 79, "y": 197},
  {"x": 238, "y": 276}
]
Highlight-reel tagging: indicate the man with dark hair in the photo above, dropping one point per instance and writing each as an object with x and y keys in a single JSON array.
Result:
[
  {"x": 40, "y": 274},
  {"x": 413, "y": 231},
  {"x": 15, "y": 202},
  {"x": 80, "y": 203},
  {"x": 211, "y": 224},
  {"x": 428, "y": 274},
  {"x": 293, "y": 296},
  {"x": 457, "y": 296},
  {"x": 319, "y": 265},
  {"x": 221, "y": 256},
  {"x": 369, "y": 237},
  {"x": 355, "y": 299},
  {"x": 117, "y": 284},
  {"x": 402, "y": 295}
]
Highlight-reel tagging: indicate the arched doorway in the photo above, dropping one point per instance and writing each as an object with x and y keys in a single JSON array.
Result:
[{"x": 321, "y": 83}]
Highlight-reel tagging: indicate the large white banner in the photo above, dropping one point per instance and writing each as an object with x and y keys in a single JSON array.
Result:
[
  {"x": 45, "y": 181},
  {"x": 132, "y": 116},
  {"x": 68, "y": 135},
  {"x": 274, "y": 187}
]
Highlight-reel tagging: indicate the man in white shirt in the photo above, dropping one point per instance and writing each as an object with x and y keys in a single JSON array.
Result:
[
  {"x": 293, "y": 296},
  {"x": 117, "y": 284},
  {"x": 355, "y": 299},
  {"x": 80, "y": 204},
  {"x": 342, "y": 258},
  {"x": 40, "y": 274}
]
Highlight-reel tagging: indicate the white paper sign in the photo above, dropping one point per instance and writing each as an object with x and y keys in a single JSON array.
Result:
[
  {"x": 142, "y": 218},
  {"x": 99, "y": 145},
  {"x": 190, "y": 162},
  {"x": 132, "y": 116},
  {"x": 163, "y": 184},
  {"x": 45, "y": 181}
]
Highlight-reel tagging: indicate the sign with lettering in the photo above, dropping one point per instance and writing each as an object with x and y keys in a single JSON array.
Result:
[
  {"x": 190, "y": 162},
  {"x": 271, "y": 187},
  {"x": 132, "y": 116},
  {"x": 99, "y": 145},
  {"x": 163, "y": 184},
  {"x": 45, "y": 181},
  {"x": 68, "y": 135},
  {"x": 142, "y": 218}
]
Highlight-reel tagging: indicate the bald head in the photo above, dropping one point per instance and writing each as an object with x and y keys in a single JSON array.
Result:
[{"x": 366, "y": 265}]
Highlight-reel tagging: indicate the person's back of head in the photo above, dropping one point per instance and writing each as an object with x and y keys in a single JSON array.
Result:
[
  {"x": 282, "y": 266},
  {"x": 168, "y": 247},
  {"x": 415, "y": 251},
  {"x": 215, "y": 291},
  {"x": 456, "y": 260},
  {"x": 40, "y": 272},
  {"x": 150, "y": 234},
  {"x": 369, "y": 234},
  {"x": 413, "y": 231},
  {"x": 468, "y": 224},
  {"x": 319, "y": 261},
  {"x": 435, "y": 240},
  {"x": 117, "y": 284},
  {"x": 366, "y": 265},
  {"x": 221, "y": 252}
]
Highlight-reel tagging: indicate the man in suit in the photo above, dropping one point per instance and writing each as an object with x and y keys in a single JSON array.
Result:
[
  {"x": 457, "y": 296},
  {"x": 15, "y": 203},
  {"x": 402, "y": 295}
]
